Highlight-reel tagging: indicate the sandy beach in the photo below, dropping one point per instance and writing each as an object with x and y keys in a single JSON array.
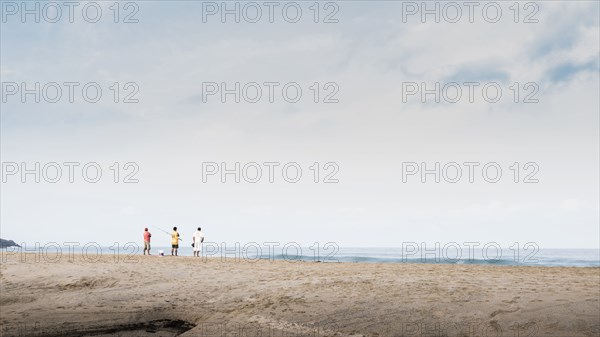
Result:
[{"x": 186, "y": 296}]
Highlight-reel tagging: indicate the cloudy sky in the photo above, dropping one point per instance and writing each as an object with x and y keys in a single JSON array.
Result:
[{"x": 369, "y": 52}]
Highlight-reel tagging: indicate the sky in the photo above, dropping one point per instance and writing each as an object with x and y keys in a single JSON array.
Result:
[{"x": 365, "y": 131}]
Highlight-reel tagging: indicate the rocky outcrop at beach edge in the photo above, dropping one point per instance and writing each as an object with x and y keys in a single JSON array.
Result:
[{"x": 7, "y": 243}]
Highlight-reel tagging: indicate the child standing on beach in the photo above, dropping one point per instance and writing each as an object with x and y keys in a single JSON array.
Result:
[
  {"x": 147, "y": 237},
  {"x": 174, "y": 241},
  {"x": 197, "y": 241}
]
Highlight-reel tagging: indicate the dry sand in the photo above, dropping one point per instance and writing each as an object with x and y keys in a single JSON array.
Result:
[{"x": 162, "y": 296}]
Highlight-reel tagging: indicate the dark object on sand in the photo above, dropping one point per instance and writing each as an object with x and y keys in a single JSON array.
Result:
[
  {"x": 164, "y": 327},
  {"x": 7, "y": 243}
]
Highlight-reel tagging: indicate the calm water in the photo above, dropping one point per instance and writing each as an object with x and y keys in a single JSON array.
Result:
[
  {"x": 464, "y": 255},
  {"x": 526, "y": 256}
]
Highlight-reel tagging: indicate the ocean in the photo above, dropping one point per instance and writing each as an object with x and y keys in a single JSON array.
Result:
[
  {"x": 491, "y": 256},
  {"x": 330, "y": 253}
]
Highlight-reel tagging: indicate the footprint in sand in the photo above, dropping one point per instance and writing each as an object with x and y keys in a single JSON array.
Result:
[
  {"x": 506, "y": 311},
  {"x": 501, "y": 311},
  {"x": 514, "y": 300}
]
